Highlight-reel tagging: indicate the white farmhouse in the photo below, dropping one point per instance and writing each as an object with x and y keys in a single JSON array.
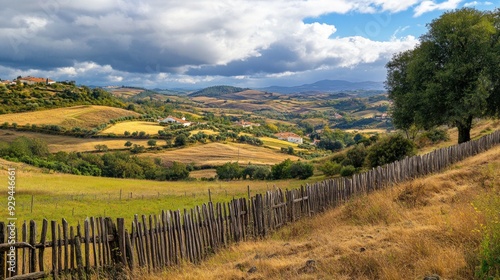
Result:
[
  {"x": 289, "y": 136},
  {"x": 171, "y": 119}
]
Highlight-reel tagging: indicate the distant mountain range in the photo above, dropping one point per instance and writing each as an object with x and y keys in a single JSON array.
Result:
[{"x": 327, "y": 86}]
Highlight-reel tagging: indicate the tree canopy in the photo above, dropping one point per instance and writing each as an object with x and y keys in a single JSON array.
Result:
[{"x": 452, "y": 76}]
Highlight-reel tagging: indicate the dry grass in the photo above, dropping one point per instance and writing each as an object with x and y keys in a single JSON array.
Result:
[
  {"x": 220, "y": 153},
  {"x": 150, "y": 128},
  {"x": 77, "y": 116},
  {"x": 57, "y": 143},
  {"x": 424, "y": 227},
  {"x": 479, "y": 129}
]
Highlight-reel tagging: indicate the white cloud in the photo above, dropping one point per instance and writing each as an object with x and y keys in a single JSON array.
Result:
[
  {"x": 162, "y": 40},
  {"x": 475, "y": 3},
  {"x": 430, "y": 6}
]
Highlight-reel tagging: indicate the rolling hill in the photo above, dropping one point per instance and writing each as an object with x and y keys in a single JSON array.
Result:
[
  {"x": 84, "y": 116},
  {"x": 328, "y": 86}
]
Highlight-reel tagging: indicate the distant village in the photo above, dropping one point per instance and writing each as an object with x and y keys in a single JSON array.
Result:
[{"x": 28, "y": 80}]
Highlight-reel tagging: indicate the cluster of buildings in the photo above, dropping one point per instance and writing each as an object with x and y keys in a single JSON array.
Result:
[{"x": 29, "y": 80}]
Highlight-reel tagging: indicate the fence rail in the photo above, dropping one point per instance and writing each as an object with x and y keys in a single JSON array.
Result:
[{"x": 106, "y": 247}]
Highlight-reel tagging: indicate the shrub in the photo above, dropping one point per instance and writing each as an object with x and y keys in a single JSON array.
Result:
[
  {"x": 356, "y": 156},
  {"x": 330, "y": 168},
  {"x": 229, "y": 171},
  {"x": 436, "y": 135},
  {"x": 347, "y": 170},
  {"x": 390, "y": 149},
  {"x": 301, "y": 170}
]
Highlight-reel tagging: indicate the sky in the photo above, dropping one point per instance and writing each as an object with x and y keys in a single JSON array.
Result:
[{"x": 200, "y": 43}]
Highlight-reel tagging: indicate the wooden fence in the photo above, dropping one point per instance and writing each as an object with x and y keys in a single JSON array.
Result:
[{"x": 106, "y": 248}]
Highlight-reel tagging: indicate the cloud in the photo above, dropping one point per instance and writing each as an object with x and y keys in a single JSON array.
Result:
[
  {"x": 475, "y": 3},
  {"x": 170, "y": 40},
  {"x": 430, "y": 6}
]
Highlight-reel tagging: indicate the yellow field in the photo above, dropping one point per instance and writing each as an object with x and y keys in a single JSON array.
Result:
[
  {"x": 277, "y": 144},
  {"x": 57, "y": 143},
  {"x": 204, "y": 173},
  {"x": 206, "y": 131},
  {"x": 220, "y": 153},
  {"x": 366, "y": 114},
  {"x": 150, "y": 128},
  {"x": 78, "y": 116}
]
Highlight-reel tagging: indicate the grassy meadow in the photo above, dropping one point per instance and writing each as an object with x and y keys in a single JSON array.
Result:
[
  {"x": 85, "y": 116},
  {"x": 432, "y": 225},
  {"x": 76, "y": 197}
]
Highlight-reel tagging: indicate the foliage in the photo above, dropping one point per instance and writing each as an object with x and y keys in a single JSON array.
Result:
[
  {"x": 436, "y": 135},
  {"x": 356, "y": 156},
  {"x": 330, "y": 168},
  {"x": 288, "y": 169},
  {"x": 229, "y": 171},
  {"x": 256, "y": 172},
  {"x": 347, "y": 170},
  {"x": 117, "y": 164},
  {"x": 451, "y": 77},
  {"x": 301, "y": 170},
  {"x": 390, "y": 149},
  {"x": 16, "y": 98}
]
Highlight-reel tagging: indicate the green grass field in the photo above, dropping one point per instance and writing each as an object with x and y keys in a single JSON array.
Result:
[{"x": 56, "y": 196}]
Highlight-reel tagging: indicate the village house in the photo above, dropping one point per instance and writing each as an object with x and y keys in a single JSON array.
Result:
[
  {"x": 34, "y": 80},
  {"x": 244, "y": 124},
  {"x": 171, "y": 119},
  {"x": 7, "y": 82},
  {"x": 289, "y": 136}
]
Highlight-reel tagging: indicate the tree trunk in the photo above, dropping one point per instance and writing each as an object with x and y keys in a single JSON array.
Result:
[{"x": 464, "y": 130}]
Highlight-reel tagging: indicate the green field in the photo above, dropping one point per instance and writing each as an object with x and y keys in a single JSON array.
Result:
[{"x": 74, "y": 198}]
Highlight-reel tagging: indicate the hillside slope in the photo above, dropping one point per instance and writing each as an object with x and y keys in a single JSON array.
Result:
[
  {"x": 432, "y": 225},
  {"x": 85, "y": 116}
]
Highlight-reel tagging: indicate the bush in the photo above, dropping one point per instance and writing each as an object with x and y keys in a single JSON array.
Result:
[
  {"x": 390, "y": 149},
  {"x": 356, "y": 156},
  {"x": 301, "y": 170},
  {"x": 436, "y": 135},
  {"x": 348, "y": 170},
  {"x": 330, "y": 168},
  {"x": 229, "y": 171}
]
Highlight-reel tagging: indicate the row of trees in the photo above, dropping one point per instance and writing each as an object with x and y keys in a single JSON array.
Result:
[
  {"x": 283, "y": 170},
  {"x": 110, "y": 164}
]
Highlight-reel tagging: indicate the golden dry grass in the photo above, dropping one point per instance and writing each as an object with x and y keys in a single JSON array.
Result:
[
  {"x": 204, "y": 173},
  {"x": 479, "y": 129},
  {"x": 206, "y": 131},
  {"x": 424, "y": 227},
  {"x": 86, "y": 116},
  {"x": 57, "y": 143},
  {"x": 220, "y": 153},
  {"x": 150, "y": 128}
]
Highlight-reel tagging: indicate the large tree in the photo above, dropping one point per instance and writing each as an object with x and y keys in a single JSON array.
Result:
[{"x": 451, "y": 77}]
